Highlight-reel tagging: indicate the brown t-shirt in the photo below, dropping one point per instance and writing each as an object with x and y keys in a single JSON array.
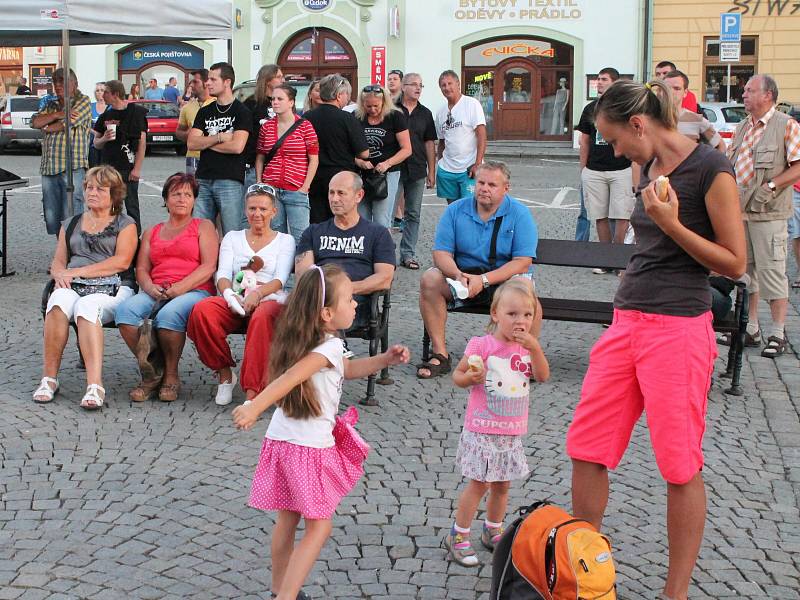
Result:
[{"x": 661, "y": 277}]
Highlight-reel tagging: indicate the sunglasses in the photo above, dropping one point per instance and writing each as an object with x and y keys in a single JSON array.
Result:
[
  {"x": 263, "y": 188},
  {"x": 449, "y": 120},
  {"x": 372, "y": 89},
  {"x": 396, "y": 72}
]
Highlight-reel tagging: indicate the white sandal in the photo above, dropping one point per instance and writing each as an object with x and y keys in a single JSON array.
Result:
[
  {"x": 44, "y": 393},
  {"x": 92, "y": 400},
  {"x": 225, "y": 391}
]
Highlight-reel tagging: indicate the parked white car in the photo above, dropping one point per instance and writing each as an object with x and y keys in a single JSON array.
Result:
[
  {"x": 724, "y": 116},
  {"x": 15, "y": 121}
]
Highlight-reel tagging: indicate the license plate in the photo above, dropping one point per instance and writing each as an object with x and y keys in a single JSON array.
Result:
[{"x": 162, "y": 138}]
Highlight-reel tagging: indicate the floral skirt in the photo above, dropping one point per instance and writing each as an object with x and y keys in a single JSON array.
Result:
[{"x": 489, "y": 457}]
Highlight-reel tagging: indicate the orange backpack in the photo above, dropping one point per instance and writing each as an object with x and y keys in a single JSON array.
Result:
[{"x": 549, "y": 555}]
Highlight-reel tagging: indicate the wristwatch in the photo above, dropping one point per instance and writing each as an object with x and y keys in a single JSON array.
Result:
[
  {"x": 771, "y": 185},
  {"x": 485, "y": 281}
]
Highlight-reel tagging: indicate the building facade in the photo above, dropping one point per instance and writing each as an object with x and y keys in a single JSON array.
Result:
[
  {"x": 686, "y": 32},
  {"x": 531, "y": 63}
]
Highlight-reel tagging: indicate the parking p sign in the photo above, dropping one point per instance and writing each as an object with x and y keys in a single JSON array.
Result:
[{"x": 730, "y": 27}]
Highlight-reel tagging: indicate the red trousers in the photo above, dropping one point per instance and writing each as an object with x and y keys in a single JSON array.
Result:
[{"x": 210, "y": 323}]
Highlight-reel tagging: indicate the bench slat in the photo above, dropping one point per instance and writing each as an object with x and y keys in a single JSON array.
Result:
[{"x": 569, "y": 253}]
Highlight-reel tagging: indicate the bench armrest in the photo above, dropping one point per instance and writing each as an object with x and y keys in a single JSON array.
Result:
[{"x": 48, "y": 289}]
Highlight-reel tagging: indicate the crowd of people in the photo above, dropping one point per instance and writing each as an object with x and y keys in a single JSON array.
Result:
[{"x": 316, "y": 194}]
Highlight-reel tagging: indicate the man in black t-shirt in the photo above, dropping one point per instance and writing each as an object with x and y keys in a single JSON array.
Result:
[
  {"x": 120, "y": 134},
  {"x": 607, "y": 180},
  {"x": 220, "y": 133},
  {"x": 418, "y": 169},
  {"x": 364, "y": 249},
  {"x": 341, "y": 140}
]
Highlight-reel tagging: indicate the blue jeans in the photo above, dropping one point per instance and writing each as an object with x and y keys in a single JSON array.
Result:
[
  {"x": 223, "y": 196},
  {"x": 380, "y": 211},
  {"x": 413, "y": 190},
  {"x": 54, "y": 199},
  {"x": 583, "y": 225},
  {"x": 293, "y": 212},
  {"x": 173, "y": 316}
]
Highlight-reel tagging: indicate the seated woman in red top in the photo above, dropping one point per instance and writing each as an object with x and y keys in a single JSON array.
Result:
[
  {"x": 291, "y": 168},
  {"x": 176, "y": 261}
]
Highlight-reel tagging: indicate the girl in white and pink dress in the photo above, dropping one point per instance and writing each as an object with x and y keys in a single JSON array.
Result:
[
  {"x": 497, "y": 369},
  {"x": 310, "y": 458}
]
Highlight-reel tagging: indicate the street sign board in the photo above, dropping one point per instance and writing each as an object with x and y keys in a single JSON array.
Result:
[
  {"x": 729, "y": 51},
  {"x": 730, "y": 27}
]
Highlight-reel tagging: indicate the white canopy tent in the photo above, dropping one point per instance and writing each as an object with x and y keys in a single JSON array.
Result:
[{"x": 85, "y": 22}]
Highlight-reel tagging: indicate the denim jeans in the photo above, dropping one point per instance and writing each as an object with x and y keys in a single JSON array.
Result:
[
  {"x": 293, "y": 212},
  {"x": 583, "y": 225},
  {"x": 174, "y": 316},
  {"x": 380, "y": 211},
  {"x": 54, "y": 198},
  {"x": 413, "y": 190},
  {"x": 223, "y": 196}
]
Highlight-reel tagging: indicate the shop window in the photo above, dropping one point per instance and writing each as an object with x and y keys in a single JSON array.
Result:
[
  {"x": 555, "y": 104},
  {"x": 517, "y": 85},
  {"x": 478, "y": 84},
  {"x": 334, "y": 51},
  {"x": 302, "y": 51},
  {"x": 716, "y": 78}
]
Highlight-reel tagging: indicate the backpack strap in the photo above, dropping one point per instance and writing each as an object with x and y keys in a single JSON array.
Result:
[
  {"x": 498, "y": 221},
  {"x": 68, "y": 234}
]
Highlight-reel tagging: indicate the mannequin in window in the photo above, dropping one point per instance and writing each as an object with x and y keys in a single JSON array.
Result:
[{"x": 559, "y": 108}]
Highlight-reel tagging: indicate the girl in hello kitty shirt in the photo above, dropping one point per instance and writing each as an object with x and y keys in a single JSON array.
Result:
[{"x": 497, "y": 369}]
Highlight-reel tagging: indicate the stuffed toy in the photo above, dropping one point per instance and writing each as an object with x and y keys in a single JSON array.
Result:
[{"x": 245, "y": 280}]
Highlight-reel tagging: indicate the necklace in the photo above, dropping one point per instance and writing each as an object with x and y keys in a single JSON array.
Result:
[
  {"x": 219, "y": 110},
  {"x": 93, "y": 226}
]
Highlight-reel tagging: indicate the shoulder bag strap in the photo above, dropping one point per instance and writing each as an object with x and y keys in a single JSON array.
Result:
[
  {"x": 498, "y": 221},
  {"x": 274, "y": 150},
  {"x": 68, "y": 234}
]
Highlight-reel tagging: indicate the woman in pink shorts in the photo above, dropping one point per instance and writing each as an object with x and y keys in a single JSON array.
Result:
[{"x": 658, "y": 355}]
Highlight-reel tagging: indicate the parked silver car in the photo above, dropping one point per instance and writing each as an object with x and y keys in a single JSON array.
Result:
[
  {"x": 15, "y": 122},
  {"x": 723, "y": 116}
]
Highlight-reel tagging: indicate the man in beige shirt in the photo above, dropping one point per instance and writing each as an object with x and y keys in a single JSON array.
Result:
[
  {"x": 189, "y": 112},
  {"x": 691, "y": 124}
]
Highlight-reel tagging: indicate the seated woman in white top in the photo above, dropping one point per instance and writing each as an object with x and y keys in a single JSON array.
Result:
[{"x": 213, "y": 319}]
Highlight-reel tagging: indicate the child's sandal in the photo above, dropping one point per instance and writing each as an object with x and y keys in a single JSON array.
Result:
[
  {"x": 460, "y": 549},
  {"x": 490, "y": 536}
]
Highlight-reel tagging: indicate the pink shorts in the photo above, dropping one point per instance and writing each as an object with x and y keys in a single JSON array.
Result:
[{"x": 654, "y": 363}]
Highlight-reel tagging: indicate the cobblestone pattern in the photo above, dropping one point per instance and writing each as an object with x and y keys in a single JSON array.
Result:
[{"x": 148, "y": 500}]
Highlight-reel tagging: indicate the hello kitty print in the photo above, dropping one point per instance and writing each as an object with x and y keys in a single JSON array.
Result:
[{"x": 500, "y": 406}]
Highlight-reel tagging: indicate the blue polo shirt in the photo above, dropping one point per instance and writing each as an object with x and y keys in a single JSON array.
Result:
[{"x": 462, "y": 233}]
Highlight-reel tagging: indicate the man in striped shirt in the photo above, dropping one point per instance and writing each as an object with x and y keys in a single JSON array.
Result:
[
  {"x": 50, "y": 119},
  {"x": 691, "y": 124}
]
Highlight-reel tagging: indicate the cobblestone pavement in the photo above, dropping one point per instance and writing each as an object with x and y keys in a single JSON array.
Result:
[{"x": 148, "y": 500}]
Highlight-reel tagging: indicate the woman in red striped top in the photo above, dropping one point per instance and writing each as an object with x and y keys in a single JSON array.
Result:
[{"x": 292, "y": 168}]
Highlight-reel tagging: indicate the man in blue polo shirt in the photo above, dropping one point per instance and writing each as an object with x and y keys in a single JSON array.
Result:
[{"x": 480, "y": 242}]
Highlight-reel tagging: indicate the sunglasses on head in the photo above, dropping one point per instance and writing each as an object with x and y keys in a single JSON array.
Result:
[
  {"x": 263, "y": 188},
  {"x": 372, "y": 89},
  {"x": 397, "y": 72}
]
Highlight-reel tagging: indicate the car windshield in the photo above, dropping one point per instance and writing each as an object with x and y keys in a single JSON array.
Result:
[
  {"x": 734, "y": 114},
  {"x": 25, "y": 104},
  {"x": 161, "y": 110}
]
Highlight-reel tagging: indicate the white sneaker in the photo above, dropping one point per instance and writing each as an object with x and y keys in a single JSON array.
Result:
[{"x": 225, "y": 391}]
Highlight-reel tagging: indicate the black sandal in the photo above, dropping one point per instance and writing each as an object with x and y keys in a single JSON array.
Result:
[
  {"x": 410, "y": 263},
  {"x": 435, "y": 370},
  {"x": 775, "y": 347}
]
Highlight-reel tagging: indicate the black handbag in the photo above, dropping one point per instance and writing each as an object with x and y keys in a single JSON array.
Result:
[{"x": 375, "y": 185}]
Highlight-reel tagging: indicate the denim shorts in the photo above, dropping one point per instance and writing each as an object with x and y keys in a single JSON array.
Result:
[{"x": 173, "y": 316}]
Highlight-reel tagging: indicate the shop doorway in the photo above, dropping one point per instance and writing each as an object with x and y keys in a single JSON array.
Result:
[
  {"x": 515, "y": 111},
  {"x": 313, "y": 53},
  {"x": 523, "y": 84}
]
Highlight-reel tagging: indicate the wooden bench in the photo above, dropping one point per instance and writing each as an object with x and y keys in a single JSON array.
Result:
[
  {"x": 568, "y": 253},
  {"x": 376, "y": 332}
]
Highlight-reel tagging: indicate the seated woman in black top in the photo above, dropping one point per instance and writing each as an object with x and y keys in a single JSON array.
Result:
[
  {"x": 658, "y": 355},
  {"x": 386, "y": 129}
]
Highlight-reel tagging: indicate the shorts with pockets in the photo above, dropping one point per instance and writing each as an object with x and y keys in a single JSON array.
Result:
[
  {"x": 453, "y": 186},
  {"x": 608, "y": 194},
  {"x": 766, "y": 258},
  {"x": 658, "y": 364}
]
